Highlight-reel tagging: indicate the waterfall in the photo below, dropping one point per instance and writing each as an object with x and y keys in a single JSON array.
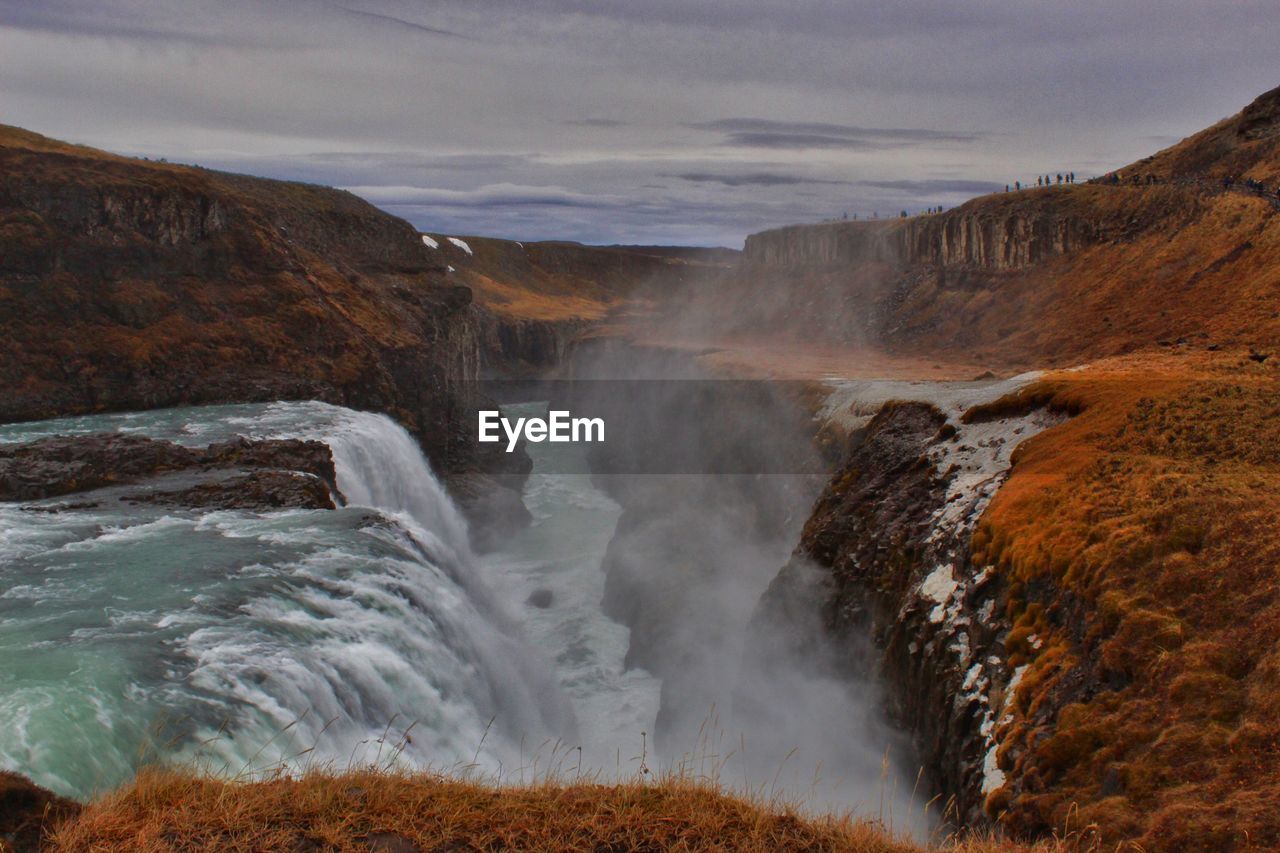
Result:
[
  {"x": 240, "y": 640},
  {"x": 420, "y": 637},
  {"x": 379, "y": 465}
]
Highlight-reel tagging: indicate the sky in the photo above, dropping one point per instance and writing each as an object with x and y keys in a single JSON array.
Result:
[{"x": 688, "y": 122}]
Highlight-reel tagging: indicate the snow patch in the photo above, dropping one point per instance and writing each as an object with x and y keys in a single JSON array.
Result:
[
  {"x": 430, "y": 241},
  {"x": 992, "y": 776},
  {"x": 461, "y": 244},
  {"x": 976, "y": 461},
  {"x": 1014, "y": 682},
  {"x": 938, "y": 587}
]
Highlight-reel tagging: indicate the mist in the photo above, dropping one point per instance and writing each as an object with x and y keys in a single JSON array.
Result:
[{"x": 715, "y": 478}]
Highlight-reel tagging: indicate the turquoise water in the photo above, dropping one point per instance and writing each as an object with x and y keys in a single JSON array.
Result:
[
  {"x": 131, "y": 634},
  {"x": 244, "y": 642}
]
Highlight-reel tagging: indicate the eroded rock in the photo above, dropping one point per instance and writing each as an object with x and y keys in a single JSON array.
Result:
[{"x": 236, "y": 474}]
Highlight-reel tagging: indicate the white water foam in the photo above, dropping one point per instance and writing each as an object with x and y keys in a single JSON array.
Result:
[{"x": 134, "y": 634}]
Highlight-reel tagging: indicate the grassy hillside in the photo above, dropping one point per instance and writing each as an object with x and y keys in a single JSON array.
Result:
[
  {"x": 1140, "y": 543},
  {"x": 1166, "y": 253},
  {"x": 563, "y": 281}
]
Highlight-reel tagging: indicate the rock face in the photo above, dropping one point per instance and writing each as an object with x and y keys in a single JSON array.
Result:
[
  {"x": 891, "y": 533},
  {"x": 1000, "y": 240},
  {"x": 249, "y": 474},
  {"x": 1005, "y": 238},
  {"x": 835, "y": 243},
  {"x": 28, "y": 812},
  {"x": 513, "y": 347},
  {"x": 259, "y": 490},
  {"x": 127, "y": 284}
]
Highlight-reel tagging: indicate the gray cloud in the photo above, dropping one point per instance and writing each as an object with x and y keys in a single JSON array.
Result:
[
  {"x": 769, "y": 133},
  {"x": 796, "y": 140},
  {"x": 617, "y": 121},
  {"x": 841, "y": 131},
  {"x": 59, "y": 17},
  {"x": 754, "y": 179},
  {"x": 597, "y": 122},
  {"x": 938, "y": 187},
  {"x": 401, "y": 22}
]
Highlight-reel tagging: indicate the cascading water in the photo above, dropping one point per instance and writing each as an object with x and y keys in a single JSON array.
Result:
[{"x": 131, "y": 634}]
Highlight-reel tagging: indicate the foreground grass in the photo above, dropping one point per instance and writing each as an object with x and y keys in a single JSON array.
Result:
[{"x": 389, "y": 811}]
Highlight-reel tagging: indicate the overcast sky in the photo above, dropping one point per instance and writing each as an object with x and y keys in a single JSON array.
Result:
[{"x": 637, "y": 121}]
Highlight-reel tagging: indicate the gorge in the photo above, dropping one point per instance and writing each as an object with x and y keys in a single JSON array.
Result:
[{"x": 957, "y": 519}]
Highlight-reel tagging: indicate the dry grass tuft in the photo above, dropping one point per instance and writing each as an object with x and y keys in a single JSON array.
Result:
[
  {"x": 385, "y": 810},
  {"x": 166, "y": 810}
]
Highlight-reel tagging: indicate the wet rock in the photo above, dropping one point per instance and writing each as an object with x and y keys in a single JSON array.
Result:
[
  {"x": 258, "y": 490},
  {"x": 245, "y": 474},
  {"x": 65, "y": 464},
  {"x": 891, "y": 533}
]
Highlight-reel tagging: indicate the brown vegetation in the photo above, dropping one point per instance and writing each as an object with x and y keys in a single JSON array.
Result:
[
  {"x": 129, "y": 284},
  {"x": 569, "y": 281},
  {"x": 167, "y": 811},
  {"x": 1140, "y": 543}
]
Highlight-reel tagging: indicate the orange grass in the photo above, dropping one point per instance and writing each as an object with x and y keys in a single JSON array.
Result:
[
  {"x": 1141, "y": 544},
  {"x": 379, "y": 810}
]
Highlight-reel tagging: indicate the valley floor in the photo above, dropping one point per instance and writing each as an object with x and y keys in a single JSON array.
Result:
[{"x": 764, "y": 358}]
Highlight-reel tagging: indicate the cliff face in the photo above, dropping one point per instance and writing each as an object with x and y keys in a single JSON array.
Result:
[
  {"x": 1086, "y": 645},
  {"x": 536, "y": 300},
  {"x": 991, "y": 238},
  {"x": 890, "y": 537},
  {"x": 998, "y": 240},
  {"x": 830, "y": 244},
  {"x": 1180, "y": 246},
  {"x": 128, "y": 284}
]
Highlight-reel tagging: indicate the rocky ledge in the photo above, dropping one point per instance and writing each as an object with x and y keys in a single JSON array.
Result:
[
  {"x": 235, "y": 474},
  {"x": 885, "y": 556}
]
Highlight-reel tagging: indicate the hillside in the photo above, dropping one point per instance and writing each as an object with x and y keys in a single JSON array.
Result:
[
  {"x": 389, "y": 811},
  {"x": 1102, "y": 641},
  {"x": 128, "y": 284},
  {"x": 1042, "y": 277},
  {"x": 535, "y": 299}
]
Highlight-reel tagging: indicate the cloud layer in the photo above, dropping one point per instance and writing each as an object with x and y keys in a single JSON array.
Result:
[{"x": 673, "y": 121}]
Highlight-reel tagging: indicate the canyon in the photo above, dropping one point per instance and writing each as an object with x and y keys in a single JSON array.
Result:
[{"x": 1031, "y": 441}]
